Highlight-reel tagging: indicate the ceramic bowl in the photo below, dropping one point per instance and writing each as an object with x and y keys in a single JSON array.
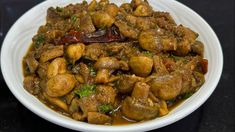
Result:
[{"x": 19, "y": 38}]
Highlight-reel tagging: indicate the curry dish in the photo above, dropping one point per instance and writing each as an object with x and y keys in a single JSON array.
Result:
[{"x": 106, "y": 64}]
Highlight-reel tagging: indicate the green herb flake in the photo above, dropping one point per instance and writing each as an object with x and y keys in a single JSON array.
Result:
[
  {"x": 59, "y": 9},
  {"x": 105, "y": 108},
  {"x": 74, "y": 19},
  {"x": 187, "y": 95},
  {"x": 176, "y": 58},
  {"x": 92, "y": 71},
  {"x": 148, "y": 53},
  {"x": 85, "y": 90},
  {"x": 39, "y": 41}
]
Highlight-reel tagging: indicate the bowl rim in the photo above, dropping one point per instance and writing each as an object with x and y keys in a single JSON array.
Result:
[{"x": 148, "y": 125}]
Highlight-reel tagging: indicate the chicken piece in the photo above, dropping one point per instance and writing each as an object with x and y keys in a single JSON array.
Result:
[
  {"x": 132, "y": 19},
  {"x": 158, "y": 65},
  {"x": 104, "y": 66},
  {"x": 167, "y": 17},
  {"x": 135, "y": 3},
  {"x": 127, "y": 30},
  {"x": 31, "y": 84},
  {"x": 183, "y": 48},
  {"x": 126, "y": 8},
  {"x": 51, "y": 35},
  {"x": 150, "y": 41},
  {"x": 79, "y": 116},
  {"x": 98, "y": 118},
  {"x": 163, "y": 110},
  {"x": 74, "y": 106},
  {"x": 187, "y": 79},
  {"x": 88, "y": 104},
  {"x": 57, "y": 66},
  {"x": 139, "y": 109},
  {"x": 93, "y": 5},
  {"x": 52, "y": 16},
  {"x": 31, "y": 62},
  {"x": 69, "y": 97},
  {"x": 86, "y": 24},
  {"x": 57, "y": 102},
  {"x": 188, "y": 38},
  {"x": 145, "y": 23},
  {"x": 84, "y": 71},
  {"x": 140, "y": 90},
  {"x": 105, "y": 94},
  {"x": 94, "y": 51},
  {"x": 170, "y": 64},
  {"x": 107, "y": 63},
  {"x": 141, "y": 65},
  {"x": 110, "y": 63},
  {"x": 186, "y": 33},
  {"x": 102, "y": 19},
  {"x": 102, "y": 76},
  {"x": 126, "y": 83},
  {"x": 51, "y": 53},
  {"x": 169, "y": 43},
  {"x": 42, "y": 70},
  {"x": 75, "y": 51},
  {"x": 199, "y": 79},
  {"x": 60, "y": 85},
  {"x": 166, "y": 87},
  {"x": 203, "y": 66},
  {"x": 198, "y": 48},
  {"x": 103, "y": 3},
  {"x": 79, "y": 78}
]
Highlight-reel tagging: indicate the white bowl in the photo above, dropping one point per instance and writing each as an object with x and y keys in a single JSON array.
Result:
[{"x": 18, "y": 39}]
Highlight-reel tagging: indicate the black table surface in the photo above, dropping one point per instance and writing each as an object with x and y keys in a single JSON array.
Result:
[{"x": 215, "y": 115}]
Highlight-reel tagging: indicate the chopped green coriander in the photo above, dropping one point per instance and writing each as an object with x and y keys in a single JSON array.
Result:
[
  {"x": 74, "y": 19},
  {"x": 85, "y": 90},
  {"x": 176, "y": 58},
  {"x": 84, "y": 2},
  {"x": 148, "y": 53},
  {"x": 187, "y": 95},
  {"x": 105, "y": 108},
  {"x": 92, "y": 70},
  {"x": 40, "y": 39},
  {"x": 59, "y": 9}
]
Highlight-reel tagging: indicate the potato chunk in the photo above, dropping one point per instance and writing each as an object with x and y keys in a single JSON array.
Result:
[
  {"x": 60, "y": 85},
  {"x": 51, "y": 53},
  {"x": 98, "y": 118}
]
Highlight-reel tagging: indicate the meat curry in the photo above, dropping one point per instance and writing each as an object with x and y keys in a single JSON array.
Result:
[{"x": 103, "y": 64}]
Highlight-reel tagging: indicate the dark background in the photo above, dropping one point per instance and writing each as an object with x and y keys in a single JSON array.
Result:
[{"x": 216, "y": 115}]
